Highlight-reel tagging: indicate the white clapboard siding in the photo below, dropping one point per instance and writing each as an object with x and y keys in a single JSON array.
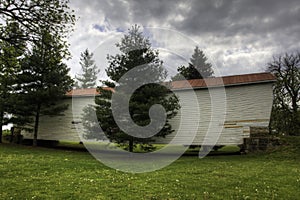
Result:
[
  {"x": 62, "y": 127},
  {"x": 246, "y": 105}
]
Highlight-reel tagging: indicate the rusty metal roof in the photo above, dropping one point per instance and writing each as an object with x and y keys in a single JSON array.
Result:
[
  {"x": 196, "y": 83},
  {"x": 85, "y": 92},
  {"x": 225, "y": 80}
]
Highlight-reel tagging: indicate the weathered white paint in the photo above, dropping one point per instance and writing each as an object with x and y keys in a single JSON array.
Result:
[
  {"x": 62, "y": 127},
  {"x": 246, "y": 105}
]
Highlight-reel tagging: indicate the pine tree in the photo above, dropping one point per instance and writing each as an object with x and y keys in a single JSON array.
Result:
[
  {"x": 135, "y": 51},
  {"x": 28, "y": 18},
  {"x": 89, "y": 71},
  {"x": 10, "y": 53},
  {"x": 198, "y": 67},
  {"x": 44, "y": 80}
]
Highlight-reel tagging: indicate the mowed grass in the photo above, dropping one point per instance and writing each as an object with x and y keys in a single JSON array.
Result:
[{"x": 41, "y": 173}]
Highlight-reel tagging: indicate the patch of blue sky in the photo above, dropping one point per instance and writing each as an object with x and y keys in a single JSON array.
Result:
[
  {"x": 120, "y": 30},
  {"x": 99, "y": 27}
]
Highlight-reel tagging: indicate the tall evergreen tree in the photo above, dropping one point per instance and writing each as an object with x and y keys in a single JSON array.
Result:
[
  {"x": 89, "y": 69},
  {"x": 135, "y": 51},
  {"x": 10, "y": 54},
  {"x": 30, "y": 17},
  {"x": 44, "y": 80},
  {"x": 198, "y": 67}
]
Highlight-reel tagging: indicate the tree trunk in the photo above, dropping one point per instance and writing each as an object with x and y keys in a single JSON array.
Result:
[
  {"x": 131, "y": 144},
  {"x": 271, "y": 121},
  {"x": 12, "y": 134},
  {"x": 1, "y": 124},
  {"x": 36, "y": 125},
  {"x": 294, "y": 117}
]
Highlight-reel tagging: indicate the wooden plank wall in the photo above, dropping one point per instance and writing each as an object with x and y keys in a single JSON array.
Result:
[
  {"x": 246, "y": 105},
  {"x": 63, "y": 127}
]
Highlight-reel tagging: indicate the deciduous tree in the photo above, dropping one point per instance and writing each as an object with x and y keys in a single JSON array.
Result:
[
  {"x": 35, "y": 15},
  {"x": 285, "y": 114}
]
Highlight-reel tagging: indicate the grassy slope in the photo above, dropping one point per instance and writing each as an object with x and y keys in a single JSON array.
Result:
[{"x": 39, "y": 173}]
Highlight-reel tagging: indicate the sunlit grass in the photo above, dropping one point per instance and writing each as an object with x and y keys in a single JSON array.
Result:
[{"x": 40, "y": 173}]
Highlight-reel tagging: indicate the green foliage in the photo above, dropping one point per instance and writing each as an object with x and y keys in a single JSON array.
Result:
[
  {"x": 42, "y": 173},
  {"x": 285, "y": 114},
  {"x": 35, "y": 15},
  {"x": 89, "y": 71},
  {"x": 135, "y": 52},
  {"x": 198, "y": 67},
  {"x": 10, "y": 53},
  {"x": 21, "y": 24},
  {"x": 43, "y": 80}
]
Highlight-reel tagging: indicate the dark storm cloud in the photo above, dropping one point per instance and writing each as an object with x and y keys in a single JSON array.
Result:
[
  {"x": 149, "y": 10},
  {"x": 116, "y": 10},
  {"x": 252, "y": 30},
  {"x": 225, "y": 17},
  {"x": 220, "y": 17},
  {"x": 233, "y": 17},
  {"x": 205, "y": 16}
]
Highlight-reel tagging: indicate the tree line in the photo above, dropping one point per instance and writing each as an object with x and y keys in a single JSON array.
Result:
[
  {"x": 34, "y": 76},
  {"x": 33, "y": 73}
]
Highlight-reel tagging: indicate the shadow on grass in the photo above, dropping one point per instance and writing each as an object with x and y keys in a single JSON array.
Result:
[{"x": 78, "y": 146}]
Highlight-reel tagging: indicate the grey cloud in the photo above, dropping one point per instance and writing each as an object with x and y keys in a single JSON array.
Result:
[
  {"x": 221, "y": 17},
  {"x": 234, "y": 17},
  {"x": 266, "y": 26},
  {"x": 149, "y": 10}
]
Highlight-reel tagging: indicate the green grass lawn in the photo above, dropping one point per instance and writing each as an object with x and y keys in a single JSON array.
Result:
[{"x": 40, "y": 173}]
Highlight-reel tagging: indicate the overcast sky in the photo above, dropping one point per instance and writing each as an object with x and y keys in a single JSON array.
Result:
[{"x": 237, "y": 36}]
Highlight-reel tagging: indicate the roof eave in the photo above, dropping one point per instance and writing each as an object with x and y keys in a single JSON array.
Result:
[{"x": 227, "y": 85}]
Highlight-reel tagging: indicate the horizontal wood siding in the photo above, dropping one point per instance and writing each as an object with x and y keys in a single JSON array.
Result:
[
  {"x": 63, "y": 127},
  {"x": 246, "y": 105}
]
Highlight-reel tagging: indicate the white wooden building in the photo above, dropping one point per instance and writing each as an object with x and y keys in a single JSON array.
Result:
[{"x": 248, "y": 102}]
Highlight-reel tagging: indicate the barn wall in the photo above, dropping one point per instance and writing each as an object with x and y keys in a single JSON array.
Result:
[
  {"x": 62, "y": 127},
  {"x": 246, "y": 105}
]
